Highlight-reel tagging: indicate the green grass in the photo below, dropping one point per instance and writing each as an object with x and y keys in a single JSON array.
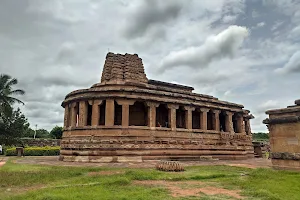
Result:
[{"x": 37, "y": 182}]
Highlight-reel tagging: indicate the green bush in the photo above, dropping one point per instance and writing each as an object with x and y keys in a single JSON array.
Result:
[{"x": 35, "y": 151}]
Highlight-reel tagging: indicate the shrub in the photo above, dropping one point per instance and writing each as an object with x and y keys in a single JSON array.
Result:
[{"x": 35, "y": 151}]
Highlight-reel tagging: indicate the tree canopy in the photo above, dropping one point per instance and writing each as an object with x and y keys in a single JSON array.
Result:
[
  {"x": 56, "y": 132},
  {"x": 12, "y": 122},
  {"x": 12, "y": 126}
]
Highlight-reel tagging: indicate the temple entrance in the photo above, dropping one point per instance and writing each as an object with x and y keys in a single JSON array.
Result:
[
  {"x": 118, "y": 114},
  {"x": 234, "y": 122},
  {"x": 76, "y": 110},
  {"x": 138, "y": 114},
  {"x": 102, "y": 112},
  {"x": 162, "y": 116},
  {"x": 89, "y": 114},
  {"x": 222, "y": 118},
  {"x": 180, "y": 117},
  {"x": 210, "y": 120},
  {"x": 196, "y": 119}
]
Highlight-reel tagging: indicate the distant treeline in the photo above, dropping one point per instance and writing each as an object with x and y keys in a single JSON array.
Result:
[{"x": 260, "y": 136}]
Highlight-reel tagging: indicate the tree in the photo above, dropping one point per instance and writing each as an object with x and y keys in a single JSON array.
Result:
[
  {"x": 7, "y": 93},
  {"x": 56, "y": 132},
  {"x": 40, "y": 133},
  {"x": 12, "y": 122},
  {"x": 12, "y": 126}
]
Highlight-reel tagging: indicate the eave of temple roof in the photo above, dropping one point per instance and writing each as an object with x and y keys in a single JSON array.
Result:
[
  {"x": 152, "y": 91},
  {"x": 171, "y": 85}
]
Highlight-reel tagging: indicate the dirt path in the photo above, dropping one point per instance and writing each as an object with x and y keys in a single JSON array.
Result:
[
  {"x": 53, "y": 160},
  {"x": 2, "y": 161},
  {"x": 191, "y": 188}
]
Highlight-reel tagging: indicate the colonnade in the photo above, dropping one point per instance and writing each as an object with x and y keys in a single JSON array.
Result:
[{"x": 87, "y": 113}]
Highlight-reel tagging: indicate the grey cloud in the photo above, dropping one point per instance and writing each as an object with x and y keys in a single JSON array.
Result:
[
  {"x": 55, "y": 47},
  {"x": 225, "y": 44},
  {"x": 150, "y": 13},
  {"x": 292, "y": 66}
]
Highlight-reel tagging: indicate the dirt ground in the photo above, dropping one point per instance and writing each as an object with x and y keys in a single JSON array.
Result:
[
  {"x": 53, "y": 160},
  {"x": 192, "y": 188}
]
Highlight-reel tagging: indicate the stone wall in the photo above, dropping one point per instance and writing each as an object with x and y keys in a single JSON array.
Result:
[
  {"x": 284, "y": 127},
  {"x": 40, "y": 142}
]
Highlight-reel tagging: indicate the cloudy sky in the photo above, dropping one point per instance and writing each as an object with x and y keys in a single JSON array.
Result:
[{"x": 247, "y": 52}]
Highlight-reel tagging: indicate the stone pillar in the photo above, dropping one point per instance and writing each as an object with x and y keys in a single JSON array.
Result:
[
  {"x": 247, "y": 126},
  {"x": 96, "y": 112},
  {"x": 73, "y": 108},
  {"x": 189, "y": 117},
  {"x": 203, "y": 118},
  {"x": 172, "y": 115},
  {"x": 110, "y": 112},
  {"x": 125, "y": 110},
  {"x": 216, "y": 122},
  {"x": 82, "y": 121},
  {"x": 67, "y": 116},
  {"x": 240, "y": 125},
  {"x": 152, "y": 114},
  {"x": 228, "y": 122}
]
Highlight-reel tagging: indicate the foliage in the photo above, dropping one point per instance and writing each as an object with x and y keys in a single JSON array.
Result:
[
  {"x": 12, "y": 122},
  {"x": 35, "y": 151},
  {"x": 12, "y": 126},
  {"x": 26, "y": 182},
  {"x": 260, "y": 136},
  {"x": 7, "y": 92},
  {"x": 40, "y": 133},
  {"x": 56, "y": 132}
]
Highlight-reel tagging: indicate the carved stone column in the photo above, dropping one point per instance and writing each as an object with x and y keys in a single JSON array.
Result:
[
  {"x": 110, "y": 112},
  {"x": 172, "y": 115},
  {"x": 82, "y": 121},
  {"x": 152, "y": 114},
  {"x": 247, "y": 126},
  {"x": 203, "y": 118},
  {"x": 73, "y": 108},
  {"x": 228, "y": 122},
  {"x": 240, "y": 123},
  {"x": 67, "y": 116},
  {"x": 216, "y": 121},
  {"x": 96, "y": 112},
  {"x": 125, "y": 110},
  {"x": 188, "y": 117}
]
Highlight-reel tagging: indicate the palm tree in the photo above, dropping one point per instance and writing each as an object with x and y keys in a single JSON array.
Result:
[{"x": 7, "y": 92}]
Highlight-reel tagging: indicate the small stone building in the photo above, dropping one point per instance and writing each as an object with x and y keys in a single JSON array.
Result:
[
  {"x": 284, "y": 128},
  {"x": 127, "y": 117}
]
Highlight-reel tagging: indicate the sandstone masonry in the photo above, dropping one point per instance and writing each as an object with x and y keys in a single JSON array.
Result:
[
  {"x": 127, "y": 117},
  {"x": 284, "y": 128}
]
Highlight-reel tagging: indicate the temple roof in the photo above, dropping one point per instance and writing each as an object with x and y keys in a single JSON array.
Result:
[
  {"x": 128, "y": 67},
  {"x": 172, "y": 85}
]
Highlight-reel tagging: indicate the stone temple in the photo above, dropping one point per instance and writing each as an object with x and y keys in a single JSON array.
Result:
[
  {"x": 284, "y": 128},
  {"x": 127, "y": 117}
]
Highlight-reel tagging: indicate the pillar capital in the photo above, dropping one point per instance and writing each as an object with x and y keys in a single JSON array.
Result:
[
  {"x": 229, "y": 113},
  {"x": 216, "y": 111},
  {"x": 189, "y": 108},
  {"x": 173, "y": 106},
  {"x": 125, "y": 101},
  {"x": 152, "y": 104},
  {"x": 204, "y": 110},
  {"x": 73, "y": 104}
]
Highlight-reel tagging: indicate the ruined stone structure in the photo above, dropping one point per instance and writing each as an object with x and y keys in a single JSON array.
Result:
[
  {"x": 284, "y": 128},
  {"x": 127, "y": 117}
]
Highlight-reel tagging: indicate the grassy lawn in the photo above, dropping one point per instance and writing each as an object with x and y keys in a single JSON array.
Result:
[{"x": 37, "y": 182}]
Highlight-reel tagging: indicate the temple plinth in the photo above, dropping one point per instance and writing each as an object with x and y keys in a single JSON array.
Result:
[
  {"x": 284, "y": 133},
  {"x": 127, "y": 117}
]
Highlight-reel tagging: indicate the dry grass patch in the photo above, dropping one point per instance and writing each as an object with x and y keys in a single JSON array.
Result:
[
  {"x": 107, "y": 173},
  {"x": 191, "y": 188}
]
